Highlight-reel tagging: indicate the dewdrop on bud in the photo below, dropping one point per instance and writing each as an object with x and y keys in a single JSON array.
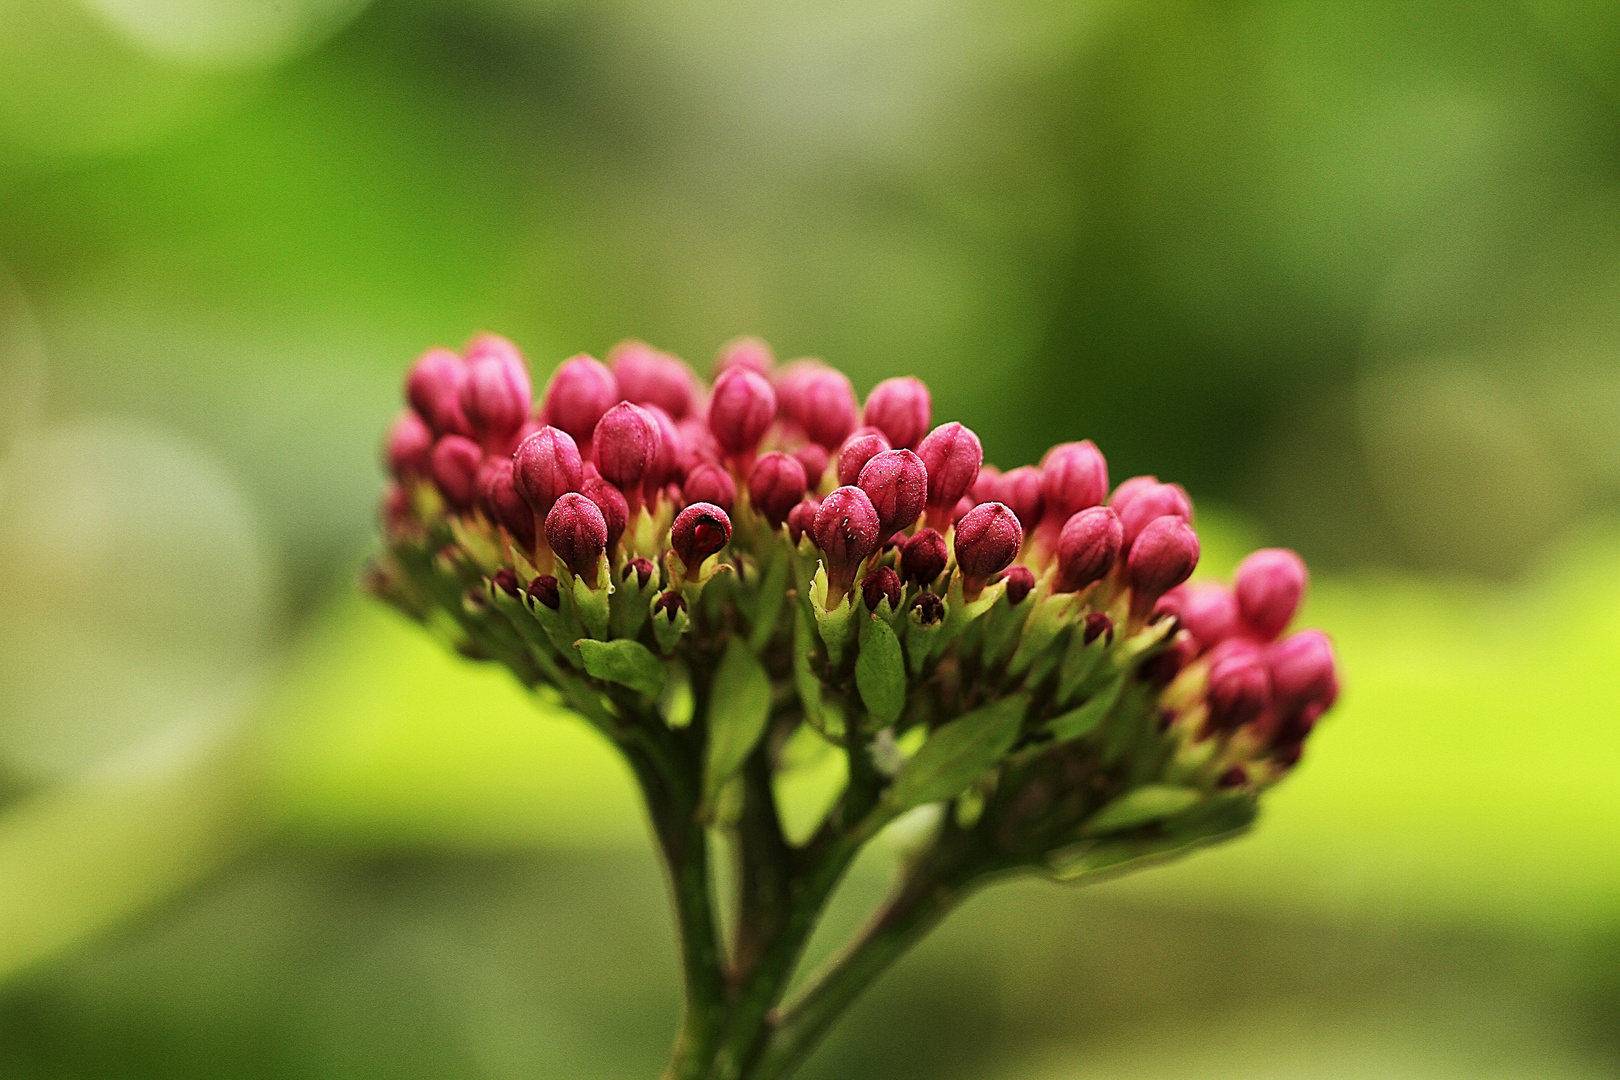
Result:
[
  {"x": 625, "y": 446},
  {"x": 775, "y": 485},
  {"x": 923, "y": 557},
  {"x": 858, "y": 449},
  {"x": 456, "y": 461},
  {"x": 741, "y": 409},
  {"x": 748, "y": 353},
  {"x": 495, "y": 395},
  {"x": 814, "y": 457},
  {"x": 577, "y": 533},
  {"x": 614, "y": 506},
  {"x": 433, "y": 388},
  {"x": 1147, "y": 504},
  {"x": 710, "y": 483},
  {"x": 901, "y": 409},
  {"x": 546, "y": 466},
  {"x": 581, "y": 391},
  {"x": 987, "y": 541},
  {"x": 1303, "y": 670},
  {"x": 846, "y": 531},
  {"x": 1020, "y": 581},
  {"x": 410, "y": 447},
  {"x": 822, "y": 401},
  {"x": 897, "y": 484},
  {"x": 699, "y": 531},
  {"x": 952, "y": 455},
  {"x": 1163, "y": 556},
  {"x": 649, "y": 377},
  {"x": 802, "y": 519},
  {"x": 1020, "y": 489},
  {"x": 1074, "y": 477},
  {"x": 1269, "y": 585},
  {"x": 1239, "y": 685},
  {"x": 506, "y": 507},
  {"x": 1087, "y": 548},
  {"x": 882, "y": 583}
]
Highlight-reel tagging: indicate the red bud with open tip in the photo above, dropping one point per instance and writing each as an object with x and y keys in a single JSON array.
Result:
[
  {"x": 741, "y": 409},
  {"x": 710, "y": 483},
  {"x": 410, "y": 447},
  {"x": 649, "y": 377},
  {"x": 641, "y": 569},
  {"x": 495, "y": 395},
  {"x": 581, "y": 391},
  {"x": 699, "y": 531},
  {"x": 847, "y": 532},
  {"x": 987, "y": 541},
  {"x": 456, "y": 461},
  {"x": 900, "y": 408},
  {"x": 433, "y": 388},
  {"x": 577, "y": 533},
  {"x": 923, "y": 557},
  {"x": 1164, "y": 555},
  {"x": 897, "y": 484},
  {"x": 952, "y": 455},
  {"x": 614, "y": 506},
  {"x": 775, "y": 485},
  {"x": 546, "y": 466},
  {"x": 1087, "y": 548},
  {"x": 1269, "y": 585},
  {"x": 861, "y": 446}
]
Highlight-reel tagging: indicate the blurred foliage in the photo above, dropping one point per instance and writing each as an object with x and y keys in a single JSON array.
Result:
[{"x": 1348, "y": 271}]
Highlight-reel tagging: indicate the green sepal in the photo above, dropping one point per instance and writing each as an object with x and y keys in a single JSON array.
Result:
[
  {"x": 630, "y": 603},
  {"x": 562, "y": 626},
  {"x": 479, "y": 542},
  {"x": 666, "y": 631},
  {"x": 1048, "y": 619},
  {"x": 769, "y": 596},
  {"x": 919, "y": 641},
  {"x": 960, "y": 612},
  {"x": 592, "y": 604},
  {"x": 1218, "y": 820},
  {"x": 819, "y": 712},
  {"x": 880, "y": 672},
  {"x": 837, "y": 626},
  {"x": 1004, "y": 623},
  {"x": 677, "y": 704},
  {"x": 517, "y": 613},
  {"x": 1142, "y": 806},
  {"x": 1080, "y": 660},
  {"x": 739, "y": 705},
  {"x": 1085, "y": 719},
  {"x": 957, "y": 754},
  {"x": 628, "y": 663}
]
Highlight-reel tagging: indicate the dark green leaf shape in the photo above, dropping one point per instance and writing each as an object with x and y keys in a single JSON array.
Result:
[
  {"x": 739, "y": 705},
  {"x": 1216, "y": 821},
  {"x": 957, "y": 754},
  {"x": 628, "y": 663},
  {"x": 1148, "y": 803},
  {"x": 1084, "y": 719},
  {"x": 880, "y": 673}
]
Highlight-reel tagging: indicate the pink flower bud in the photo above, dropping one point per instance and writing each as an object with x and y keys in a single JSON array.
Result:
[
  {"x": 1303, "y": 670},
  {"x": 545, "y": 590},
  {"x": 625, "y": 446},
  {"x": 987, "y": 486},
  {"x": 963, "y": 505},
  {"x": 499, "y": 496},
  {"x": 699, "y": 531},
  {"x": 507, "y": 581},
  {"x": 741, "y": 409},
  {"x": 930, "y": 609},
  {"x": 456, "y": 460},
  {"x": 614, "y": 506},
  {"x": 1239, "y": 685},
  {"x": 1074, "y": 477},
  {"x": 641, "y": 569},
  {"x": 546, "y": 466},
  {"x": 1097, "y": 625},
  {"x": 649, "y": 377},
  {"x": 823, "y": 403},
  {"x": 897, "y": 484},
  {"x": 814, "y": 458},
  {"x": 987, "y": 541},
  {"x": 711, "y": 484},
  {"x": 580, "y": 392},
  {"x": 495, "y": 395},
  {"x": 1209, "y": 612},
  {"x": 748, "y": 353},
  {"x": 802, "y": 519},
  {"x": 434, "y": 390},
  {"x": 862, "y": 446},
  {"x": 577, "y": 533},
  {"x": 1020, "y": 581},
  {"x": 901, "y": 409},
  {"x": 923, "y": 557},
  {"x": 1269, "y": 585},
  {"x": 1164, "y": 555},
  {"x": 410, "y": 447},
  {"x": 666, "y": 468},
  {"x": 952, "y": 455},
  {"x": 881, "y": 584},
  {"x": 1087, "y": 548},
  {"x": 1021, "y": 490},
  {"x": 775, "y": 485},
  {"x": 1128, "y": 490},
  {"x": 396, "y": 512},
  {"x": 847, "y": 533},
  {"x": 1149, "y": 503}
]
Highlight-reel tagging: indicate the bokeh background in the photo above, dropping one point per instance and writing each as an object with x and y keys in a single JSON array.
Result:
[{"x": 1350, "y": 271}]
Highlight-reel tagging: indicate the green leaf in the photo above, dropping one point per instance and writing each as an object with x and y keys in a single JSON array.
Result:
[
  {"x": 880, "y": 673},
  {"x": 768, "y": 601},
  {"x": 591, "y": 605},
  {"x": 739, "y": 704},
  {"x": 1218, "y": 820},
  {"x": 1144, "y": 805},
  {"x": 1084, "y": 719},
  {"x": 957, "y": 754},
  {"x": 628, "y": 663}
]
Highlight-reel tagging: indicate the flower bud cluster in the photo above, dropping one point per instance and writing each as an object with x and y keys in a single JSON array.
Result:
[{"x": 885, "y": 576}]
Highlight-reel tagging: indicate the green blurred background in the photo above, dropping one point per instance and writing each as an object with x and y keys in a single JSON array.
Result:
[{"x": 1350, "y": 271}]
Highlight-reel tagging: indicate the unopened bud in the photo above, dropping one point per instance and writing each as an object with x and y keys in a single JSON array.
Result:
[
  {"x": 1021, "y": 490},
  {"x": 456, "y": 461},
  {"x": 1233, "y": 776},
  {"x": 923, "y": 557},
  {"x": 508, "y": 509},
  {"x": 987, "y": 541},
  {"x": 410, "y": 447},
  {"x": 900, "y": 408},
  {"x": 741, "y": 409},
  {"x": 699, "y": 531},
  {"x": 1303, "y": 670},
  {"x": 1074, "y": 477},
  {"x": 666, "y": 468},
  {"x": 640, "y": 569},
  {"x": 649, "y": 377},
  {"x": 507, "y": 581},
  {"x": 748, "y": 353},
  {"x": 1239, "y": 685},
  {"x": 711, "y": 484},
  {"x": 1097, "y": 625},
  {"x": 930, "y": 608},
  {"x": 858, "y": 449},
  {"x": 897, "y": 484},
  {"x": 1088, "y": 547},
  {"x": 1128, "y": 490},
  {"x": 1020, "y": 581},
  {"x": 814, "y": 458},
  {"x": 847, "y": 532},
  {"x": 775, "y": 485},
  {"x": 880, "y": 584},
  {"x": 1208, "y": 611},
  {"x": 1269, "y": 585},
  {"x": 577, "y": 533},
  {"x": 952, "y": 455},
  {"x": 625, "y": 446},
  {"x": 545, "y": 590},
  {"x": 669, "y": 605},
  {"x": 580, "y": 392},
  {"x": 434, "y": 390},
  {"x": 1147, "y": 504},
  {"x": 802, "y": 519},
  {"x": 1164, "y": 555},
  {"x": 822, "y": 401},
  {"x": 614, "y": 506},
  {"x": 986, "y": 486},
  {"x": 546, "y": 467},
  {"x": 495, "y": 395}
]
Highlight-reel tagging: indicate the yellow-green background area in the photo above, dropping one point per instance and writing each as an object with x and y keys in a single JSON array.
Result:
[{"x": 1351, "y": 272}]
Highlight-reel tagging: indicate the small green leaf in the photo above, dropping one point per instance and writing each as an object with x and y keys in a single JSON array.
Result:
[
  {"x": 1220, "y": 819},
  {"x": 668, "y": 631},
  {"x": 592, "y": 604},
  {"x": 1079, "y": 661},
  {"x": 1144, "y": 805},
  {"x": 628, "y": 663},
  {"x": 1084, "y": 719},
  {"x": 957, "y": 754},
  {"x": 739, "y": 704},
  {"x": 880, "y": 673},
  {"x": 769, "y": 596}
]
